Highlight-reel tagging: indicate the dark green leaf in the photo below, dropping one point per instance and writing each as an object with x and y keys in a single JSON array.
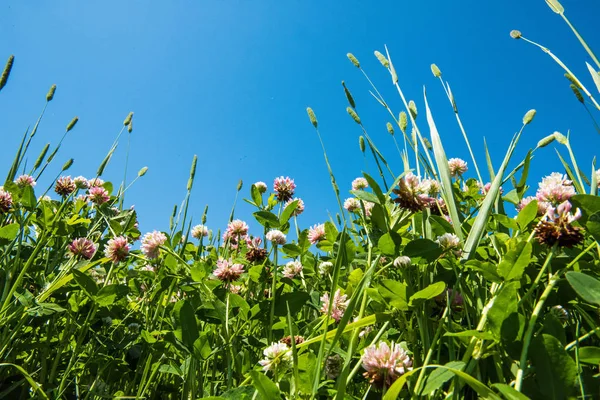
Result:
[
  {"x": 439, "y": 376},
  {"x": 10, "y": 231},
  {"x": 424, "y": 248},
  {"x": 587, "y": 288},
  {"x": 85, "y": 282},
  {"x": 395, "y": 293},
  {"x": 504, "y": 305},
  {"x": 431, "y": 291},
  {"x": 267, "y": 390},
  {"x": 187, "y": 319},
  {"x": 593, "y": 226},
  {"x": 267, "y": 219},
  {"x": 589, "y": 355},
  {"x": 389, "y": 243},
  {"x": 295, "y": 300},
  {"x": 375, "y": 187},
  {"x": 514, "y": 261},
  {"x": 202, "y": 347},
  {"x": 110, "y": 294},
  {"x": 555, "y": 369}
]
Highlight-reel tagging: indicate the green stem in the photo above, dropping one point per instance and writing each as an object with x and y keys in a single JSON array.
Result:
[{"x": 273, "y": 290}]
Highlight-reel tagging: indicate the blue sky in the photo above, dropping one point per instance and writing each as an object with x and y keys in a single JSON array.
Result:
[{"x": 230, "y": 80}]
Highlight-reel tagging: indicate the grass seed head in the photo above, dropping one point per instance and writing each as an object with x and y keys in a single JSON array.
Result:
[
  {"x": 312, "y": 117},
  {"x": 361, "y": 143},
  {"x": 515, "y": 34},
  {"x": 6, "y": 72},
  {"x": 577, "y": 93},
  {"x": 349, "y": 96},
  {"x": 412, "y": 107},
  {"x": 529, "y": 117},
  {"x": 353, "y": 60},
  {"x": 390, "y": 128},
  {"x": 403, "y": 121},
  {"x": 353, "y": 114},
  {"x": 435, "y": 71},
  {"x": 50, "y": 94},
  {"x": 382, "y": 59},
  {"x": 546, "y": 141},
  {"x": 72, "y": 123}
]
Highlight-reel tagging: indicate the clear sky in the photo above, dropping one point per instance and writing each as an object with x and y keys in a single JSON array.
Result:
[{"x": 229, "y": 80}]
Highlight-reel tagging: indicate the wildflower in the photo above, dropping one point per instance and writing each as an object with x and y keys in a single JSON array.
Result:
[
  {"x": 352, "y": 205},
  {"x": 24, "y": 181},
  {"x": 340, "y": 303},
  {"x": 151, "y": 244},
  {"x": 83, "y": 248},
  {"x": 402, "y": 262},
  {"x": 456, "y": 299},
  {"x": 415, "y": 194},
  {"x": 117, "y": 249},
  {"x": 368, "y": 208},
  {"x": 284, "y": 187},
  {"x": 359, "y": 184},
  {"x": 278, "y": 358},
  {"x": 555, "y": 189},
  {"x": 6, "y": 201},
  {"x": 560, "y": 312},
  {"x": 81, "y": 182},
  {"x": 288, "y": 340},
  {"x": 95, "y": 182},
  {"x": 44, "y": 198},
  {"x": 299, "y": 208},
  {"x": 98, "y": 195},
  {"x": 333, "y": 366},
  {"x": 542, "y": 206},
  {"x": 236, "y": 229},
  {"x": 199, "y": 231},
  {"x": 457, "y": 166},
  {"x": 486, "y": 188},
  {"x": 291, "y": 269},
  {"x": 276, "y": 236},
  {"x": 384, "y": 364},
  {"x": 64, "y": 186},
  {"x": 316, "y": 233},
  {"x": 235, "y": 289},
  {"x": 228, "y": 271},
  {"x": 325, "y": 267},
  {"x": 556, "y": 227},
  {"x": 598, "y": 178},
  {"x": 255, "y": 252},
  {"x": 261, "y": 186},
  {"x": 448, "y": 241}
]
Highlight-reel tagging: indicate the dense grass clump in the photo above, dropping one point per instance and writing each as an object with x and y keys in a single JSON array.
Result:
[{"x": 422, "y": 285}]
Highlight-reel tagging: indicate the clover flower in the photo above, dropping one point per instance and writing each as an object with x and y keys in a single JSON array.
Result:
[
  {"x": 402, "y": 262},
  {"x": 95, "y": 182},
  {"x": 151, "y": 243},
  {"x": 24, "y": 181},
  {"x": 284, "y": 187},
  {"x": 292, "y": 269},
  {"x": 236, "y": 229},
  {"x": 261, "y": 186},
  {"x": 352, "y": 205},
  {"x": 448, "y": 241},
  {"x": 542, "y": 206},
  {"x": 359, "y": 184},
  {"x": 117, "y": 249},
  {"x": 457, "y": 166},
  {"x": 6, "y": 201},
  {"x": 255, "y": 252},
  {"x": 325, "y": 267},
  {"x": 64, "y": 186},
  {"x": 555, "y": 189},
  {"x": 98, "y": 195},
  {"x": 384, "y": 363},
  {"x": 278, "y": 358},
  {"x": 556, "y": 226},
  {"x": 227, "y": 271},
  {"x": 415, "y": 194},
  {"x": 276, "y": 236},
  {"x": 81, "y": 182},
  {"x": 316, "y": 233},
  {"x": 340, "y": 303},
  {"x": 82, "y": 247},
  {"x": 199, "y": 231}
]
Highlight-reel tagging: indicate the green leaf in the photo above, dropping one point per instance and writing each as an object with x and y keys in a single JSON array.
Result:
[
  {"x": 593, "y": 226},
  {"x": 265, "y": 387},
  {"x": 431, "y": 291},
  {"x": 394, "y": 391},
  {"x": 439, "y": 376},
  {"x": 267, "y": 219},
  {"x": 256, "y": 195},
  {"x": 239, "y": 393},
  {"x": 45, "y": 309},
  {"x": 587, "y": 288},
  {"x": 589, "y": 355},
  {"x": 506, "y": 221},
  {"x": 355, "y": 276},
  {"x": 365, "y": 196},
  {"x": 187, "y": 321},
  {"x": 85, "y": 282},
  {"x": 331, "y": 232},
  {"x": 555, "y": 6},
  {"x": 509, "y": 392},
  {"x": 471, "y": 333},
  {"x": 202, "y": 349},
  {"x": 554, "y": 368},
  {"x": 514, "y": 262},
  {"x": 588, "y": 204},
  {"x": 527, "y": 214},
  {"x": 395, "y": 293},
  {"x": 10, "y": 231},
  {"x": 389, "y": 243},
  {"x": 504, "y": 305},
  {"x": 287, "y": 212},
  {"x": 291, "y": 250},
  {"x": 424, "y": 248},
  {"x": 375, "y": 187},
  {"x": 487, "y": 269},
  {"x": 110, "y": 294},
  {"x": 295, "y": 299},
  {"x": 28, "y": 199}
]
